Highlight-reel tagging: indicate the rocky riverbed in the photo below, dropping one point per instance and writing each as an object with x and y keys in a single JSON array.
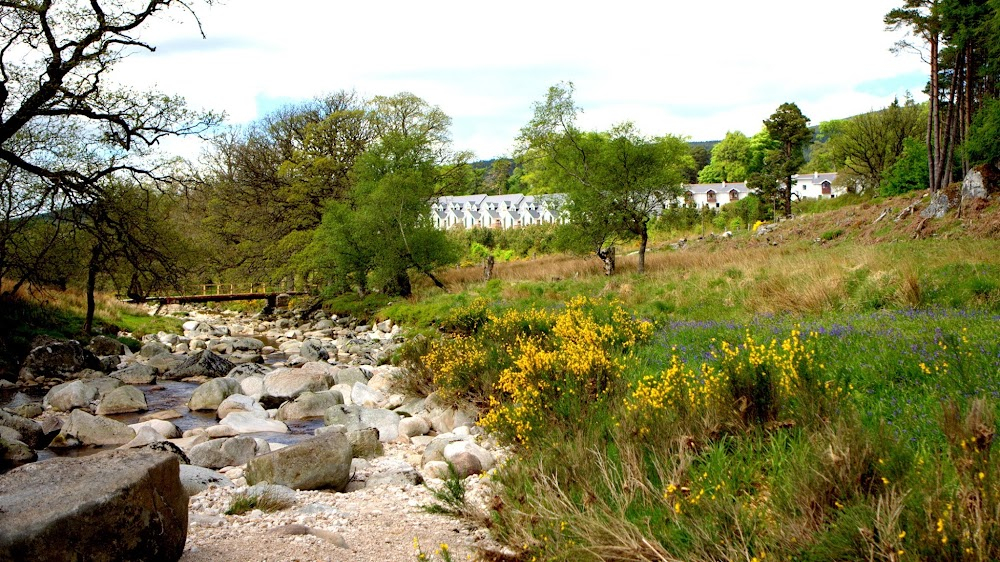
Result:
[{"x": 303, "y": 407}]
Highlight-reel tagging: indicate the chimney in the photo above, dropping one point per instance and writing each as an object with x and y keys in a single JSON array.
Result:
[{"x": 816, "y": 175}]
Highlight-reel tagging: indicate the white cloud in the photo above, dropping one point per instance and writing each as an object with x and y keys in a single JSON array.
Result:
[{"x": 697, "y": 69}]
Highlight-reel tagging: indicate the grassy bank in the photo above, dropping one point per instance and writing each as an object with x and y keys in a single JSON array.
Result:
[{"x": 60, "y": 314}]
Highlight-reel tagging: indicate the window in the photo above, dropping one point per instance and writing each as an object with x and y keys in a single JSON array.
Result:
[
  {"x": 734, "y": 195},
  {"x": 711, "y": 196},
  {"x": 827, "y": 190}
]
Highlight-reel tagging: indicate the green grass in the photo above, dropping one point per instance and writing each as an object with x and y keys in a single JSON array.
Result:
[{"x": 244, "y": 502}]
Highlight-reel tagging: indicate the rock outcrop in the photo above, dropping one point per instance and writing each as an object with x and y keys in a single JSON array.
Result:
[{"x": 120, "y": 505}]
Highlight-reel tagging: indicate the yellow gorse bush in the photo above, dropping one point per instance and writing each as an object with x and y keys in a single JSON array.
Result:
[
  {"x": 558, "y": 373},
  {"x": 757, "y": 380}
]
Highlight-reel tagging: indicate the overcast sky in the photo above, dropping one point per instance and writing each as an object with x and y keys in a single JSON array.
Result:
[{"x": 694, "y": 68}]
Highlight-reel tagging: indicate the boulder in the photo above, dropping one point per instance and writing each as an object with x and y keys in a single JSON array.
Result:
[
  {"x": 246, "y": 344},
  {"x": 365, "y": 443},
  {"x": 347, "y": 416},
  {"x": 211, "y": 394},
  {"x": 69, "y": 396},
  {"x": 165, "y": 362},
  {"x": 252, "y": 386},
  {"x": 434, "y": 451},
  {"x": 350, "y": 376},
  {"x": 317, "y": 463},
  {"x": 218, "y": 453},
  {"x": 452, "y": 452},
  {"x": 29, "y": 430},
  {"x": 289, "y": 383},
  {"x": 84, "y": 429},
  {"x": 144, "y": 435},
  {"x": 309, "y": 405},
  {"x": 312, "y": 350},
  {"x": 385, "y": 421},
  {"x": 240, "y": 403},
  {"x": 163, "y": 427},
  {"x": 118, "y": 505},
  {"x": 246, "y": 422},
  {"x": 412, "y": 427},
  {"x": 136, "y": 374},
  {"x": 394, "y": 472},
  {"x": 363, "y": 395},
  {"x": 154, "y": 348},
  {"x": 201, "y": 364},
  {"x": 122, "y": 400},
  {"x": 14, "y": 452},
  {"x": 103, "y": 346},
  {"x": 198, "y": 478},
  {"x": 104, "y": 385},
  {"x": 245, "y": 370},
  {"x": 57, "y": 359}
]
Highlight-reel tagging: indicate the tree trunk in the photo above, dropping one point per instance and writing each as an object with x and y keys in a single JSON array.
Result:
[
  {"x": 608, "y": 257},
  {"x": 92, "y": 267},
  {"x": 643, "y": 240},
  {"x": 437, "y": 282},
  {"x": 788, "y": 196},
  {"x": 488, "y": 268}
]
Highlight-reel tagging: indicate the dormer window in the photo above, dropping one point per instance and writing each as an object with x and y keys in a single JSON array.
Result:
[
  {"x": 734, "y": 195},
  {"x": 710, "y": 195}
]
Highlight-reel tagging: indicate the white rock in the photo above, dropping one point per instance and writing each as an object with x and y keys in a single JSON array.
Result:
[
  {"x": 163, "y": 427},
  {"x": 452, "y": 450},
  {"x": 244, "y": 422},
  {"x": 240, "y": 403}
]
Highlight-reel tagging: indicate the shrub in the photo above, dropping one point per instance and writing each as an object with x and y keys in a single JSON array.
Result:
[{"x": 265, "y": 501}]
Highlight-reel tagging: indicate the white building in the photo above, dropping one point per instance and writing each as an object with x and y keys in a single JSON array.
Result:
[
  {"x": 715, "y": 195},
  {"x": 497, "y": 211}
]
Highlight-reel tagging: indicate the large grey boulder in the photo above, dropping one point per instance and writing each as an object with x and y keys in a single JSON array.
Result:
[
  {"x": 350, "y": 376},
  {"x": 164, "y": 362},
  {"x": 209, "y": 395},
  {"x": 248, "y": 422},
  {"x": 136, "y": 374},
  {"x": 385, "y": 421},
  {"x": 57, "y": 359},
  {"x": 119, "y": 505},
  {"x": 30, "y": 431},
  {"x": 70, "y": 396},
  {"x": 103, "y": 346},
  {"x": 121, "y": 400},
  {"x": 201, "y": 364},
  {"x": 246, "y": 344},
  {"x": 347, "y": 416},
  {"x": 317, "y": 463},
  {"x": 974, "y": 186},
  {"x": 312, "y": 350},
  {"x": 244, "y": 370},
  {"x": 154, "y": 348},
  {"x": 240, "y": 403},
  {"x": 289, "y": 383},
  {"x": 309, "y": 405},
  {"x": 219, "y": 453},
  {"x": 14, "y": 452},
  {"x": 84, "y": 429}
]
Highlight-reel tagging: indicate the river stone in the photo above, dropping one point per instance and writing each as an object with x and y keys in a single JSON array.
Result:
[
  {"x": 394, "y": 472},
  {"x": 161, "y": 415},
  {"x": 347, "y": 416},
  {"x": 201, "y": 364},
  {"x": 447, "y": 419},
  {"x": 103, "y": 345},
  {"x": 104, "y": 385},
  {"x": 412, "y": 427},
  {"x": 309, "y": 405},
  {"x": 386, "y": 421},
  {"x": 118, "y": 505},
  {"x": 246, "y": 422},
  {"x": 454, "y": 449},
  {"x": 198, "y": 478},
  {"x": 14, "y": 452},
  {"x": 290, "y": 383},
  {"x": 70, "y": 396},
  {"x": 218, "y": 453},
  {"x": 317, "y": 463},
  {"x": 121, "y": 400},
  {"x": 136, "y": 374},
  {"x": 253, "y": 386},
  {"x": 144, "y": 435},
  {"x": 312, "y": 350},
  {"x": 165, "y": 428},
  {"x": 154, "y": 348},
  {"x": 365, "y": 443},
  {"x": 244, "y": 370},
  {"x": 165, "y": 362},
  {"x": 29, "y": 430},
  {"x": 211, "y": 394},
  {"x": 85, "y": 429},
  {"x": 246, "y": 344},
  {"x": 363, "y": 395},
  {"x": 57, "y": 359},
  {"x": 240, "y": 403},
  {"x": 434, "y": 451},
  {"x": 350, "y": 376}
]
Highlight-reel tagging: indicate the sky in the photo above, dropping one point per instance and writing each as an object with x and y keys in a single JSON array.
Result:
[{"x": 695, "y": 69}]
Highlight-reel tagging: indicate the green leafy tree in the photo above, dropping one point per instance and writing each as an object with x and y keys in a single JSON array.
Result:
[
  {"x": 908, "y": 172},
  {"x": 983, "y": 146},
  {"x": 870, "y": 143},
  {"x": 617, "y": 181},
  {"x": 788, "y": 129},
  {"x": 730, "y": 160},
  {"x": 701, "y": 157},
  {"x": 381, "y": 230}
]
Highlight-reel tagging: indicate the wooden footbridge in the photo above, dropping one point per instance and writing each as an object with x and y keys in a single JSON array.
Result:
[{"x": 226, "y": 292}]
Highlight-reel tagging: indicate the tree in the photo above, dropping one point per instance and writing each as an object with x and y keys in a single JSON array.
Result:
[
  {"x": 617, "y": 181},
  {"x": 381, "y": 229},
  {"x": 730, "y": 160},
  {"x": 788, "y": 128},
  {"x": 908, "y": 172},
  {"x": 983, "y": 146},
  {"x": 957, "y": 38},
  {"x": 702, "y": 157},
  {"x": 870, "y": 143},
  {"x": 66, "y": 131}
]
